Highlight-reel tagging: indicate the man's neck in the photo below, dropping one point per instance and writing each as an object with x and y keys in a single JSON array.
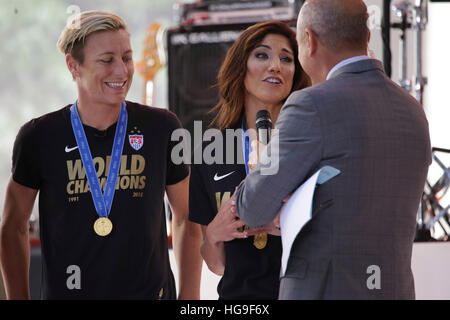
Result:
[
  {"x": 330, "y": 60},
  {"x": 99, "y": 116}
]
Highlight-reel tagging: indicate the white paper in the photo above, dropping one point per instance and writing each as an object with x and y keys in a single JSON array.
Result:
[{"x": 297, "y": 211}]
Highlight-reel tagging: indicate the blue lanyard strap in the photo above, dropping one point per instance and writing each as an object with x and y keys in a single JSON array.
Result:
[
  {"x": 102, "y": 202},
  {"x": 245, "y": 146}
]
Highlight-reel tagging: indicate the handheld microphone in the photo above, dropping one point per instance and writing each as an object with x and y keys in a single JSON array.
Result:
[{"x": 263, "y": 126}]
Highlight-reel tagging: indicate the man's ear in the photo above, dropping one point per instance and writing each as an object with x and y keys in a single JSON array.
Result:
[
  {"x": 73, "y": 65},
  {"x": 311, "y": 42}
]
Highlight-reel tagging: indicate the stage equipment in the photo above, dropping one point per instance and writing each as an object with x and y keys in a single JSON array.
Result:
[
  {"x": 195, "y": 55},
  {"x": 433, "y": 221},
  {"x": 386, "y": 37},
  {"x": 432, "y": 217},
  {"x": 235, "y": 11},
  {"x": 413, "y": 16},
  {"x": 419, "y": 24},
  {"x": 153, "y": 59},
  {"x": 402, "y": 10}
]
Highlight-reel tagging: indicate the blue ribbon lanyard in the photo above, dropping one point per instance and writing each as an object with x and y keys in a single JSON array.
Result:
[
  {"x": 102, "y": 202},
  {"x": 245, "y": 147}
]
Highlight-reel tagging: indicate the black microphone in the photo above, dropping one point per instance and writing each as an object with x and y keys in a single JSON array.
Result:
[
  {"x": 100, "y": 133},
  {"x": 263, "y": 126}
]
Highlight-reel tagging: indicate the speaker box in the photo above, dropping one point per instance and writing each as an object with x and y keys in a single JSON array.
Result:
[{"x": 195, "y": 54}]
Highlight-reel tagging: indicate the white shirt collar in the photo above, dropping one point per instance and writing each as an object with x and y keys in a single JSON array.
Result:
[{"x": 346, "y": 62}]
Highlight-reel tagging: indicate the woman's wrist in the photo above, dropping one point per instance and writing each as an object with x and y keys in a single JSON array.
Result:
[{"x": 211, "y": 237}]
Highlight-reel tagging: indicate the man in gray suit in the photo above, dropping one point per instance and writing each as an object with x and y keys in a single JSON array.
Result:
[{"x": 358, "y": 243}]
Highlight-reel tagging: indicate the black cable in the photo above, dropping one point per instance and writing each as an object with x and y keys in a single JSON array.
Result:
[{"x": 386, "y": 36}]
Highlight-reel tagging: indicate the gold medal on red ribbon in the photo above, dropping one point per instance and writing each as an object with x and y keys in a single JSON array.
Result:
[
  {"x": 260, "y": 240},
  {"x": 103, "y": 226}
]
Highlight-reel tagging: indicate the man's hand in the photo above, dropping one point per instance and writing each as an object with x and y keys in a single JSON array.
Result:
[
  {"x": 273, "y": 227},
  {"x": 257, "y": 149}
]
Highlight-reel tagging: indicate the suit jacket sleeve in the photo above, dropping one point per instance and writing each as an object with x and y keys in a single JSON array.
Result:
[{"x": 298, "y": 139}]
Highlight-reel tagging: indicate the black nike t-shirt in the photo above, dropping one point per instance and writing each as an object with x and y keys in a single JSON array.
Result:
[
  {"x": 250, "y": 272},
  {"x": 131, "y": 262}
]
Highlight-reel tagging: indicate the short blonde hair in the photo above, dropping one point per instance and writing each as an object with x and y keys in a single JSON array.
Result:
[{"x": 77, "y": 30}]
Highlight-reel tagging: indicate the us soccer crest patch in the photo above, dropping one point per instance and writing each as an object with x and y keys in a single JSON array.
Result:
[{"x": 136, "y": 141}]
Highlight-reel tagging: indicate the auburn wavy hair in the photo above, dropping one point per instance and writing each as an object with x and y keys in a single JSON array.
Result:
[{"x": 230, "y": 79}]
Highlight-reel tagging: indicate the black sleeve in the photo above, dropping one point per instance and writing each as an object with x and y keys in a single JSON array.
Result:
[
  {"x": 175, "y": 172},
  {"x": 200, "y": 208},
  {"x": 25, "y": 158}
]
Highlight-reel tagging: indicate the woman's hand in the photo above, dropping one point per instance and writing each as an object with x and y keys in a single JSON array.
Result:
[{"x": 225, "y": 224}]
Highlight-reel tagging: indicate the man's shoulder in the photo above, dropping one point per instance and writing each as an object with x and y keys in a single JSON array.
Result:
[
  {"x": 320, "y": 88},
  {"x": 345, "y": 85},
  {"x": 311, "y": 92},
  {"x": 304, "y": 97}
]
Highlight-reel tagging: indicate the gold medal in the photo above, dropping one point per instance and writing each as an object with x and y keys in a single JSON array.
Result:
[
  {"x": 260, "y": 240},
  {"x": 103, "y": 226}
]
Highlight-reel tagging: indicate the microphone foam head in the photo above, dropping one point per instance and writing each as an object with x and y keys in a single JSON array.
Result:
[{"x": 263, "y": 119}]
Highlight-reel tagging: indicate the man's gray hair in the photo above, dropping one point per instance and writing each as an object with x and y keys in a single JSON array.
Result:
[{"x": 338, "y": 24}]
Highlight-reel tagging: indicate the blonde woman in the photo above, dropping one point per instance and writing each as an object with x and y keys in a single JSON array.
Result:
[{"x": 101, "y": 167}]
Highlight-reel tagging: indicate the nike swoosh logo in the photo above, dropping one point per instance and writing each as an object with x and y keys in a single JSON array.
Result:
[
  {"x": 70, "y": 149},
  {"x": 218, "y": 178}
]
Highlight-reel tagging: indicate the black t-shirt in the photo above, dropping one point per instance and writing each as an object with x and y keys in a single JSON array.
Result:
[
  {"x": 250, "y": 273},
  {"x": 132, "y": 262}
]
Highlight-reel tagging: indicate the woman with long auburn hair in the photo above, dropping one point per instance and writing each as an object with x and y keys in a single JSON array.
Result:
[
  {"x": 259, "y": 72},
  {"x": 231, "y": 77}
]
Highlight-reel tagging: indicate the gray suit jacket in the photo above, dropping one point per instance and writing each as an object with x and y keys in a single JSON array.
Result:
[{"x": 358, "y": 243}]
